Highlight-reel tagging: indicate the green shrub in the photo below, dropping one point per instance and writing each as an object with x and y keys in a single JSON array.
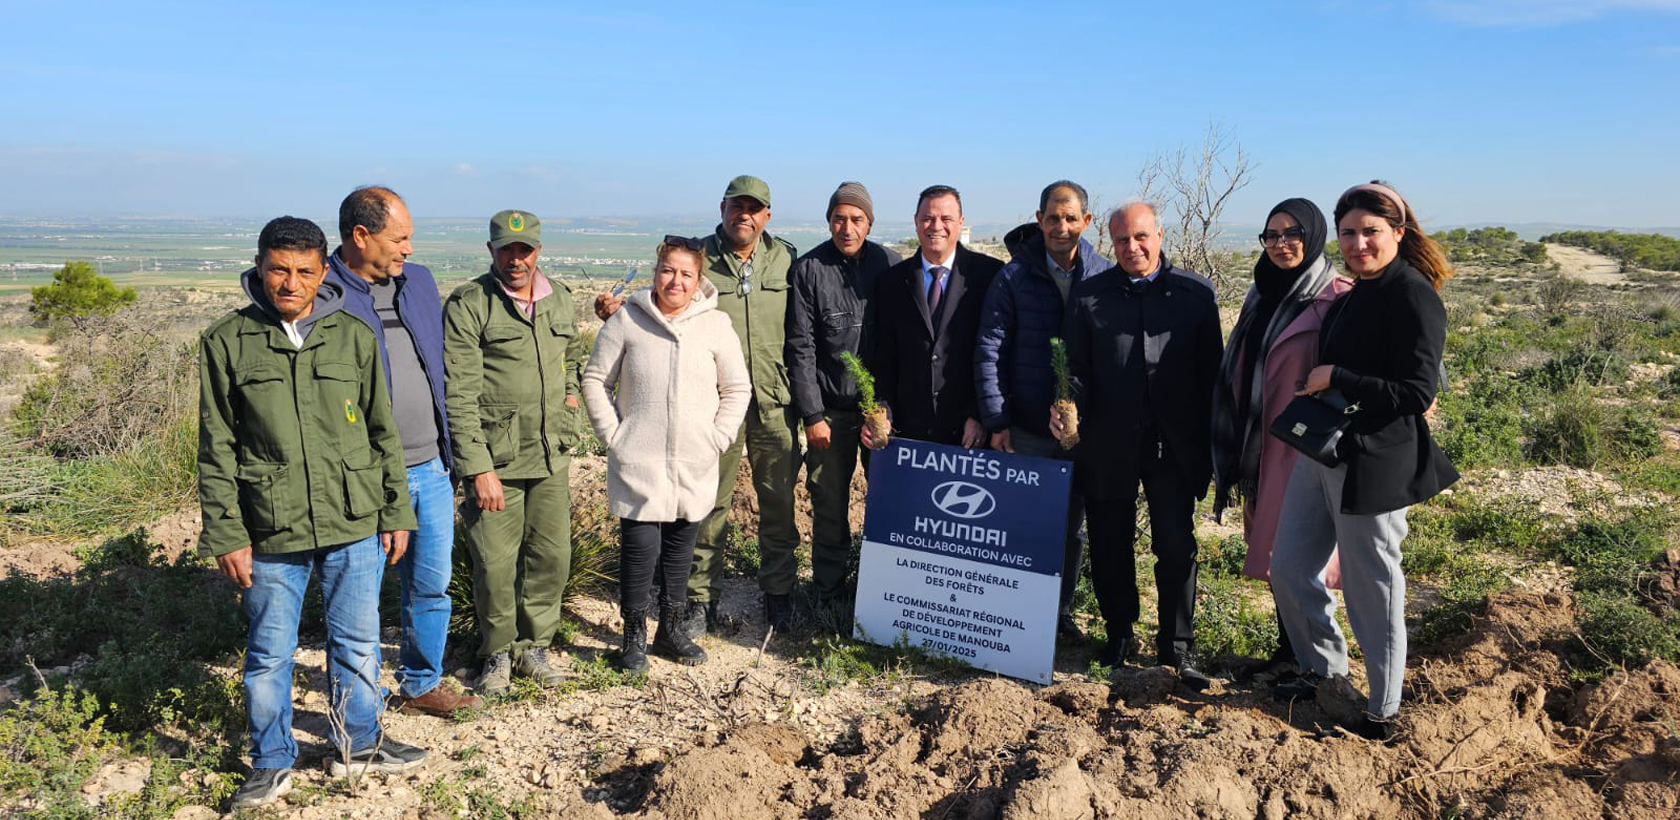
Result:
[
  {"x": 1617, "y": 630},
  {"x": 1481, "y": 424},
  {"x": 1225, "y": 557},
  {"x": 152, "y": 628},
  {"x": 1228, "y": 619},
  {"x": 1612, "y": 555},
  {"x": 1635, "y": 437},
  {"x": 77, "y": 291}
]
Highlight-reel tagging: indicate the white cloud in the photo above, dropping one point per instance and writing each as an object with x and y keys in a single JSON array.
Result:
[{"x": 1533, "y": 13}]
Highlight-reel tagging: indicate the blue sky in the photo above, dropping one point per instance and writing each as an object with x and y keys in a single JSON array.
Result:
[{"x": 1478, "y": 110}]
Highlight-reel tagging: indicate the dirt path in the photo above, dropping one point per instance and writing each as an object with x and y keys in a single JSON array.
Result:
[{"x": 1586, "y": 266}]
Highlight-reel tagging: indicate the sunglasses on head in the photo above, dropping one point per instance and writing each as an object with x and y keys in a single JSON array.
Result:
[{"x": 689, "y": 242}]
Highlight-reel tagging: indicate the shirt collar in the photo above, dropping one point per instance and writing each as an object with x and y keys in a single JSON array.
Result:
[
  {"x": 947, "y": 264},
  {"x": 540, "y": 288}
]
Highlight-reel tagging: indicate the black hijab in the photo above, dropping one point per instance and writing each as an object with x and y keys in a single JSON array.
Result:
[{"x": 1273, "y": 283}]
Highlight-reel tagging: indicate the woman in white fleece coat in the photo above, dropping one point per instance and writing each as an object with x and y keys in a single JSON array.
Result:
[{"x": 666, "y": 387}]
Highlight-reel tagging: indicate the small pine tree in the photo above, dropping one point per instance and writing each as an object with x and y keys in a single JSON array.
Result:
[
  {"x": 1059, "y": 365},
  {"x": 865, "y": 382},
  {"x": 77, "y": 291}
]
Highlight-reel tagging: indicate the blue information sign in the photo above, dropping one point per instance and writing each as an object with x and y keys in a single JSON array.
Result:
[{"x": 962, "y": 554}]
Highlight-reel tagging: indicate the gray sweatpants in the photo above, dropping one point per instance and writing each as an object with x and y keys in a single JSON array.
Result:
[{"x": 1310, "y": 527}]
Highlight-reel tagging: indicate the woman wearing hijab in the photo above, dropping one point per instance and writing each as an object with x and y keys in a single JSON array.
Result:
[
  {"x": 1381, "y": 347},
  {"x": 666, "y": 388},
  {"x": 1274, "y": 344}
]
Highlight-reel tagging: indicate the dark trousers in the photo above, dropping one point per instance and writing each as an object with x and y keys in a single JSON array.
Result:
[
  {"x": 669, "y": 545},
  {"x": 1028, "y": 443},
  {"x": 1111, "y": 522}
]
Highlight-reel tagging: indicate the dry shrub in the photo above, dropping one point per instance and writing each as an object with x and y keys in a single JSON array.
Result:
[{"x": 121, "y": 378}]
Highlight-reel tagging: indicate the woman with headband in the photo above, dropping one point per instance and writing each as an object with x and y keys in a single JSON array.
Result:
[
  {"x": 1274, "y": 344},
  {"x": 666, "y": 388},
  {"x": 1381, "y": 347}
]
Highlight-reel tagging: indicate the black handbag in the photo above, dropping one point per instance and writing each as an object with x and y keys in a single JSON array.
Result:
[{"x": 1314, "y": 424}]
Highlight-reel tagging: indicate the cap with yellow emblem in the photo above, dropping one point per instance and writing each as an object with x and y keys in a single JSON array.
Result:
[{"x": 508, "y": 227}]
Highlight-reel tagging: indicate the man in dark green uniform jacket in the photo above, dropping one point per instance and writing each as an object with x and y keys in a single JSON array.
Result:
[
  {"x": 299, "y": 466},
  {"x": 513, "y": 360}
]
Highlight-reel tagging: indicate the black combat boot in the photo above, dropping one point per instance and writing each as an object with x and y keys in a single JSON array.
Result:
[
  {"x": 633, "y": 657},
  {"x": 671, "y": 641}
]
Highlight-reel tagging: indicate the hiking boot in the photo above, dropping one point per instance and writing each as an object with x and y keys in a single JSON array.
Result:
[
  {"x": 778, "y": 611},
  {"x": 633, "y": 653},
  {"x": 386, "y": 756},
  {"x": 497, "y": 675},
  {"x": 670, "y": 641},
  {"x": 533, "y": 664},
  {"x": 1304, "y": 685},
  {"x": 263, "y": 787},
  {"x": 700, "y": 616},
  {"x": 441, "y": 701}
]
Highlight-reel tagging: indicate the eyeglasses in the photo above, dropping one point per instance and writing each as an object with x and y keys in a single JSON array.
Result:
[
  {"x": 1271, "y": 239},
  {"x": 692, "y": 243},
  {"x": 746, "y": 286}
]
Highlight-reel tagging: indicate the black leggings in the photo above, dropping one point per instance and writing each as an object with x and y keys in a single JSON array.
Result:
[{"x": 644, "y": 544}]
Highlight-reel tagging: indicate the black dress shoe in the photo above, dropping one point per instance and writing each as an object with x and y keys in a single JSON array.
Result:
[
  {"x": 1304, "y": 685},
  {"x": 1115, "y": 652},
  {"x": 1067, "y": 628},
  {"x": 778, "y": 611}
]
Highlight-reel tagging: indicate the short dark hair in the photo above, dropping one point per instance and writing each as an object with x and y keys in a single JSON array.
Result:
[
  {"x": 367, "y": 206},
  {"x": 1065, "y": 184},
  {"x": 289, "y": 233},
  {"x": 937, "y": 191}
]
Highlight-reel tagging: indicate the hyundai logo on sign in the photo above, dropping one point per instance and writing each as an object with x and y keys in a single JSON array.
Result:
[{"x": 963, "y": 500}]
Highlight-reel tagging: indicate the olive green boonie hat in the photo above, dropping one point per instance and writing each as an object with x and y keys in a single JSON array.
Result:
[
  {"x": 508, "y": 227},
  {"x": 748, "y": 186}
]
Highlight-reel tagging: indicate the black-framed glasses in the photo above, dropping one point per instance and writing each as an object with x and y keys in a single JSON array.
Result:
[
  {"x": 690, "y": 242},
  {"x": 745, "y": 286},
  {"x": 1271, "y": 238}
]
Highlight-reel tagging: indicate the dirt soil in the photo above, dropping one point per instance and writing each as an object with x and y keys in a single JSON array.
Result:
[{"x": 1491, "y": 727}]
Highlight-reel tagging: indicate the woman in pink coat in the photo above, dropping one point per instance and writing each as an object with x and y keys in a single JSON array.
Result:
[{"x": 1273, "y": 345}]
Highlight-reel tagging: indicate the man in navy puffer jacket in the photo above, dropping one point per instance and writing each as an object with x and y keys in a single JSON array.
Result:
[{"x": 1024, "y": 309}]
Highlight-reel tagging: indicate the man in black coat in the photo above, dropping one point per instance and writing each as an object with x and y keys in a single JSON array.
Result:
[
  {"x": 1143, "y": 346},
  {"x": 928, "y": 309},
  {"x": 830, "y": 312}
]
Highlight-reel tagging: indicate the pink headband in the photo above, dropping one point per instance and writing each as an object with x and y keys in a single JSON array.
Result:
[{"x": 1380, "y": 190}]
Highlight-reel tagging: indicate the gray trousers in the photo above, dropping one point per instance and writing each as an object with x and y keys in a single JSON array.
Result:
[{"x": 1310, "y": 527}]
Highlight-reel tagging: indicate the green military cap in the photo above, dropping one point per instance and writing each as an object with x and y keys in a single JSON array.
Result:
[
  {"x": 752, "y": 186},
  {"x": 508, "y": 227}
]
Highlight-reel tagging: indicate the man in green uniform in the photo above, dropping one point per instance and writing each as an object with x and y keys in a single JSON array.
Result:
[
  {"x": 750, "y": 269},
  {"x": 299, "y": 467},
  {"x": 513, "y": 360}
]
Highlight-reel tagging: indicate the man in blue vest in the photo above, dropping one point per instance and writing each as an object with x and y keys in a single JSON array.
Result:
[{"x": 399, "y": 300}]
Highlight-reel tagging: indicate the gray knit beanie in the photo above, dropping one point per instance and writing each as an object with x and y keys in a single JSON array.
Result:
[{"x": 852, "y": 193}]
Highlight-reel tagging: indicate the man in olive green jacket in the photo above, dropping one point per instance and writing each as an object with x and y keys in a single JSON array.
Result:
[
  {"x": 513, "y": 358},
  {"x": 750, "y": 269},
  {"x": 299, "y": 466}
]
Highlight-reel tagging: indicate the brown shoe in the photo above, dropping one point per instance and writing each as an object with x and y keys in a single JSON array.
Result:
[{"x": 441, "y": 701}]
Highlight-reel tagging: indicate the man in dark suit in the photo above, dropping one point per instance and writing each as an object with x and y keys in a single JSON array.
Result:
[
  {"x": 928, "y": 313},
  {"x": 1144, "y": 351}
]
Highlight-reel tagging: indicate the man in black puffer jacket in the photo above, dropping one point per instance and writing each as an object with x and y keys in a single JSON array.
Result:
[{"x": 1024, "y": 310}]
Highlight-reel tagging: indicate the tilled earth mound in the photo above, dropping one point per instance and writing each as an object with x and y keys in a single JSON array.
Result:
[{"x": 1491, "y": 729}]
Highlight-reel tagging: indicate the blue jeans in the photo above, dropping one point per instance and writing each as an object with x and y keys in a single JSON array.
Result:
[
  {"x": 350, "y": 576},
  {"x": 425, "y": 572}
]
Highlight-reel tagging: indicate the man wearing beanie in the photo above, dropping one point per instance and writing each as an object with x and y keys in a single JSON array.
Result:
[{"x": 830, "y": 313}]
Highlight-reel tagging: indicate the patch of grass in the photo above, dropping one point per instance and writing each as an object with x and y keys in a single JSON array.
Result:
[
  {"x": 1619, "y": 630},
  {"x": 1571, "y": 431},
  {"x": 1652, "y": 474},
  {"x": 741, "y": 553},
  {"x": 1225, "y": 557},
  {"x": 1463, "y": 593},
  {"x": 458, "y": 799},
  {"x": 830, "y": 662},
  {"x": 1619, "y": 623},
  {"x": 1481, "y": 423}
]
